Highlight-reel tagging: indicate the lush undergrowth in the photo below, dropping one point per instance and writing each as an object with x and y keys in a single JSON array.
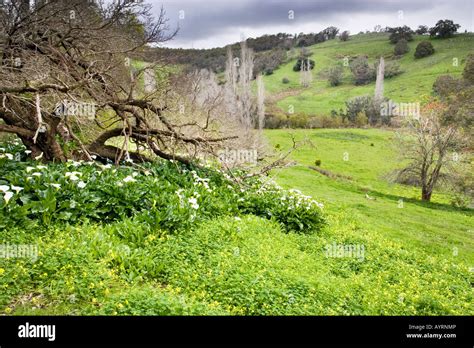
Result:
[
  {"x": 164, "y": 195},
  {"x": 240, "y": 254}
]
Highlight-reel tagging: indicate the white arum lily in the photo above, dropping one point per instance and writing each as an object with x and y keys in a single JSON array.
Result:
[
  {"x": 4, "y": 188},
  {"x": 7, "y": 196},
  {"x": 17, "y": 188},
  {"x": 81, "y": 184},
  {"x": 129, "y": 179},
  {"x": 194, "y": 203},
  {"x": 57, "y": 186},
  {"x": 36, "y": 174},
  {"x": 29, "y": 169},
  {"x": 41, "y": 167},
  {"x": 73, "y": 176}
]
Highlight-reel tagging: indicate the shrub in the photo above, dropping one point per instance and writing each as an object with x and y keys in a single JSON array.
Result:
[
  {"x": 285, "y": 80},
  {"x": 276, "y": 119},
  {"x": 401, "y": 47},
  {"x": 391, "y": 69},
  {"x": 424, "y": 49},
  {"x": 324, "y": 121},
  {"x": 335, "y": 75},
  {"x": 468, "y": 73},
  {"x": 361, "y": 119},
  {"x": 362, "y": 110},
  {"x": 446, "y": 85},
  {"x": 298, "y": 120},
  {"x": 361, "y": 70},
  {"x": 317, "y": 162},
  {"x": 268, "y": 71}
]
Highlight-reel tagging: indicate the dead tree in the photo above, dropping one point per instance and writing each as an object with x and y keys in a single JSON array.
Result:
[{"x": 68, "y": 74}]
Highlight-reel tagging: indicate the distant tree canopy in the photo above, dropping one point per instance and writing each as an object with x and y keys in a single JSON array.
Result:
[
  {"x": 269, "y": 42},
  {"x": 267, "y": 61},
  {"x": 331, "y": 32},
  {"x": 270, "y": 51},
  {"x": 398, "y": 33},
  {"x": 444, "y": 28},
  {"x": 422, "y": 29},
  {"x": 304, "y": 40},
  {"x": 344, "y": 35}
]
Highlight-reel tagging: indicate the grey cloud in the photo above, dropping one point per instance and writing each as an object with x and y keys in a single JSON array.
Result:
[{"x": 205, "y": 18}]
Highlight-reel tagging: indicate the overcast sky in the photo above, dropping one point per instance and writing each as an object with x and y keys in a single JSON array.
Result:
[{"x": 215, "y": 23}]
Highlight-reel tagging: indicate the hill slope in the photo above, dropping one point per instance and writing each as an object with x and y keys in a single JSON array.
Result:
[{"x": 415, "y": 82}]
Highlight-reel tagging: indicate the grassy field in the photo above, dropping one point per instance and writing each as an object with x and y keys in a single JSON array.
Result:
[
  {"x": 411, "y": 86},
  {"x": 434, "y": 227},
  {"x": 412, "y": 259}
]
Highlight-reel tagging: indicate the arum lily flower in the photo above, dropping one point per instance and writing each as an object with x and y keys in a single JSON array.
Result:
[
  {"x": 17, "y": 188},
  {"x": 129, "y": 179},
  {"x": 7, "y": 196}
]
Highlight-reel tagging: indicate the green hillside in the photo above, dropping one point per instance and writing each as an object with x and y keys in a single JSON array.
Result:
[{"x": 415, "y": 82}]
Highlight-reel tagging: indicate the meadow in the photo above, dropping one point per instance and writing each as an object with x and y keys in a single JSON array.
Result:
[{"x": 229, "y": 253}]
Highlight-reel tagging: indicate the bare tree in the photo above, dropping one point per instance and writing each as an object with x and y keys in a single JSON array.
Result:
[
  {"x": 305, "y": 73},
  {"x": 260, "y": 101},
  {"x": 431, "y": 151},
  {"x": 378, "y": 94},
  {"x": 59, "y": 58}
]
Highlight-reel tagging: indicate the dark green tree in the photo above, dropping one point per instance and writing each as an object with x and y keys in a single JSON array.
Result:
[
  {"x": 444, "y": 29},
  {"x": 398, "y": 33}
]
